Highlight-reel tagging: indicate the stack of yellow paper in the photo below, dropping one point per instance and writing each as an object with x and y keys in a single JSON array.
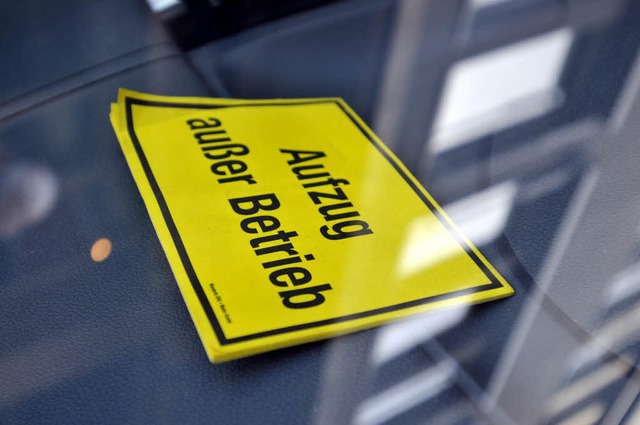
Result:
[{"x": 288, "y": 221}]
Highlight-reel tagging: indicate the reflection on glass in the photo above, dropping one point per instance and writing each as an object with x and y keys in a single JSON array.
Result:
[
  {"x": 481, "y": 216},
  {"x": 580, "y": 390},
  {"x": 501, "y": 88},
  {"x": 28, "y": 192},
  {"x": 160, "y": 5},
  {"x": 409, "y": 393},
  {"x": 398, "y": 338},
  {"x": 625, "y": 285},
  {"x": 588, "y": 416},
  {"x": 479, "y": 4}
]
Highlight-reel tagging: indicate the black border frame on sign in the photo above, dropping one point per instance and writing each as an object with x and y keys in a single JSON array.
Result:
[{"x": 186, "y": 262}]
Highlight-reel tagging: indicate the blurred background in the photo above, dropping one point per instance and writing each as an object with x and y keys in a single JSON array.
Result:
[{"x": 521, "y": 117}]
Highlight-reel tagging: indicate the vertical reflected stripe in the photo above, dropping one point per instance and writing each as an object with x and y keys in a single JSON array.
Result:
[
  {"x": 403, "y": 52},
  {"x": 630, "y": 92},
  {"x": 561, "y": 243}
]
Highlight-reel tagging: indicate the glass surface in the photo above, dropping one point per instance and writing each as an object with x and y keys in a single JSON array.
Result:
[{"x": 520, "y": 117}]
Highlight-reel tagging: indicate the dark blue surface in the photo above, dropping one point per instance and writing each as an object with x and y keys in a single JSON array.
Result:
[{"x": 42, "y": 42}]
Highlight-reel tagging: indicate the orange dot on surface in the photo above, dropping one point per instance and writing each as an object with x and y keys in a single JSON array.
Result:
[{"x": 101, "y": 250}]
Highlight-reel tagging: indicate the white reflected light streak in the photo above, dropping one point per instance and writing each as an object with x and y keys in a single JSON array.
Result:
[
  {"x": 635, "y": 417},
  {"x": 500, "y": 88},
  {"x": 588, "y": 385},
  {"x": 479, "y": 4},
  {"x": 397, "y": 338},
  {"x": 588, "y": 416},
  {"x": 548, "y": 183},
  {"x": 623, "y": 403},
  {"x": 615, "y": 335},
  {"x": 160, "y": 5},
  {"x": 409, "y": 393},
  {"x": 28, "y": 193},
  {"x": 625, "y": 102},
  {"x": 625, "y": 285},
  {"x": 481, "y": 217}
]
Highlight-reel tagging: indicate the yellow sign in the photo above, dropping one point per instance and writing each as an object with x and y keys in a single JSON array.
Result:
[{"x": 287, "y": 221}]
